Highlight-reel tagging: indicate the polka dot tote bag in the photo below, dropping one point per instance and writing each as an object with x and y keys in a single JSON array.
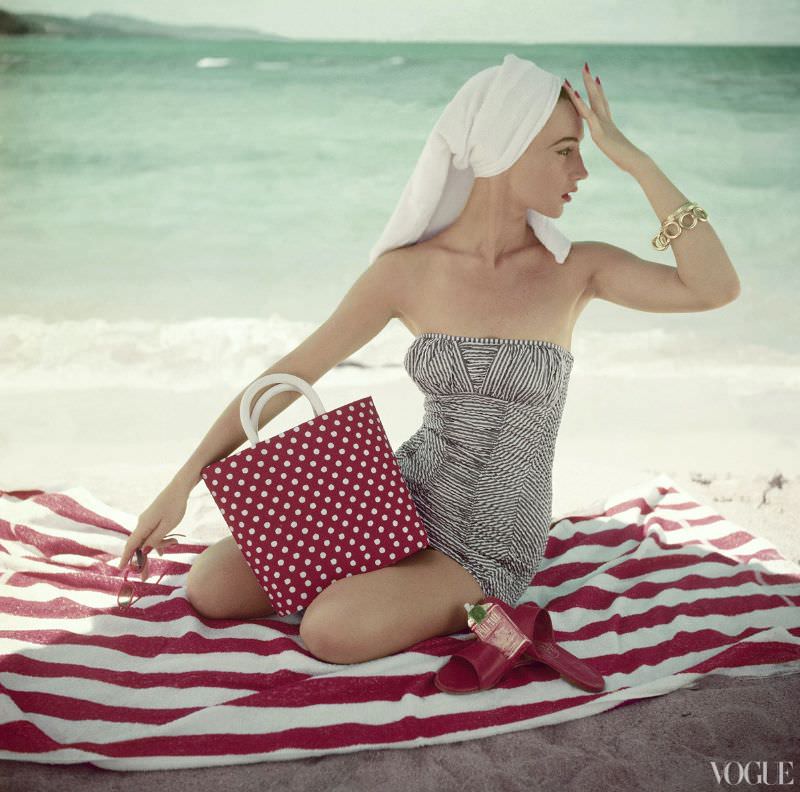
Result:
[{"x": 316, "y": 503}]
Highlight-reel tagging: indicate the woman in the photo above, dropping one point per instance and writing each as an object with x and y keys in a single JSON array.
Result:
[{"x": 481, "y": 294}]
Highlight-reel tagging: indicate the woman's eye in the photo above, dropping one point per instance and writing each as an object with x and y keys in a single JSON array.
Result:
[{"x": 565, "y": 151}]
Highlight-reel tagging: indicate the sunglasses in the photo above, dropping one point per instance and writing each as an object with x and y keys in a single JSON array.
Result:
[{"x": 138, "y": 563}]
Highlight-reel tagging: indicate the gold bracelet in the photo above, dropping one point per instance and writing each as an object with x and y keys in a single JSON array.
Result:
[{"x": 676, "y": 220}]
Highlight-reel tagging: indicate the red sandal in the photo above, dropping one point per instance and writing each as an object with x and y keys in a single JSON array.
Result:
[
  {"x": 481, "y": 666},
  {"x": 536, "y": 624}
]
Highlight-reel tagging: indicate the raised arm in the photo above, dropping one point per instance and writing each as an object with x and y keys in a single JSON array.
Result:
[
  {"x": 704, "y": 278},
  {"x": 622, "y": 277}
]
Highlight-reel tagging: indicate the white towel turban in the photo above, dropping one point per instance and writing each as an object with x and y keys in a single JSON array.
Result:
[{"x": 483, "y": 130}]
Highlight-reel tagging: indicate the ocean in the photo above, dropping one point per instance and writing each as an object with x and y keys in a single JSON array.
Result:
[{"x": 177, "y": 214}]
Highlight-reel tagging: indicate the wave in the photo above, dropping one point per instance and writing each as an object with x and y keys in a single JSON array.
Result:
[
  {"x": 36, "y": 354},
  {"x": 212, "y": 63}
]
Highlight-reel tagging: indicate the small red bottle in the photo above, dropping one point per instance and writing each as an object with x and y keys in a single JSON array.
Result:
[{"x": 494, "y": 626}]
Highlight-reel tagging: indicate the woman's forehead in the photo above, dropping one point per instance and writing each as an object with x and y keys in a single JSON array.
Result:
[{"x": 563, "y": 122}]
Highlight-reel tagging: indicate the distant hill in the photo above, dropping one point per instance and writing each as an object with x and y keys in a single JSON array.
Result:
[{"x": 114, "y": 25}]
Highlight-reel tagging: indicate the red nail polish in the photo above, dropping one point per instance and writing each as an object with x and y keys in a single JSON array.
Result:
[
  {"x": 568, "y": 82},
  {"x": 586, "y": 66},
  {"x": 597, "y": 80},
  {"x": 577, "y": 94}
]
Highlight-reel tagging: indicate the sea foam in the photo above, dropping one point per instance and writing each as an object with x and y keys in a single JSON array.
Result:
[{"x": 36, "y": 354}]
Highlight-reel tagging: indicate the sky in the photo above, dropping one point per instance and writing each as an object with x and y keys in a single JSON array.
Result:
[{"x": 523, "y": 21}]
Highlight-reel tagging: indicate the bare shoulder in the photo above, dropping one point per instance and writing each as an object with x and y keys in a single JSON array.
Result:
[
  {"x": 398, "y": 270},
  {"x": 583, "y": 258},
  {"x": 592, "y": 257},
  {"x": 400, "y": 262},
  {"x": 581, "y": 252},
  {"x": 393, "y": 264},
  {"x": 589, "y": 259},
  {"x": 590, "y": 253}
]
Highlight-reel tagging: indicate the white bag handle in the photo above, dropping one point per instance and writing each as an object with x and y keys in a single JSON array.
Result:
[{"x": 286, "y": 382}]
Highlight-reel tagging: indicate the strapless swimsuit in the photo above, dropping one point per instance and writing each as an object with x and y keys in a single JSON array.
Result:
[{"x": 480, "y": 466}]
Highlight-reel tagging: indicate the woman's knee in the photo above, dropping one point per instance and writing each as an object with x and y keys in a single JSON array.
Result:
[
  {"x": 378, "y": 613},
  {"x": 221, "y": 585},
  {"x": 338, "y": 633},
  {"x": 202, "y": 584},
  {"x": 334, "y": 637}
]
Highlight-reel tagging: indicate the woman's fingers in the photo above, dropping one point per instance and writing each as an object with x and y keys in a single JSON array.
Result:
[
  {"x": 154, "y": 524},
  {"x": 602, "y": 94},
  {"x": 135, "y": 541},
  {"x": 591, "y": 90},
  {"x": 595, "y": 91},
  {"x": 126, "y": 554},
  {"x": 577, "y": 101}
]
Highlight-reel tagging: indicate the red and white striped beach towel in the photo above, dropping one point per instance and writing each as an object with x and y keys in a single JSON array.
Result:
[{"x": 654, "y": 590}]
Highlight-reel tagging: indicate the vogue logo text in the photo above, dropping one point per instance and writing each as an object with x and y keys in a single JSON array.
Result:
[{"x": 767, "y": 773}]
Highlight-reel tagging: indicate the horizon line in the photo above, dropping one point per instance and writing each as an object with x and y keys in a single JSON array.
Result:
[{"x": 261, "y": 32}]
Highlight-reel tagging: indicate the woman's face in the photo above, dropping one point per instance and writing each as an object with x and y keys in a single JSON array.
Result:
[{"x": 550, "y": 166}]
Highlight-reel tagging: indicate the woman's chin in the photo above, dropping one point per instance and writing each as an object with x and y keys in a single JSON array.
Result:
[{"x": 553, "y": 212}]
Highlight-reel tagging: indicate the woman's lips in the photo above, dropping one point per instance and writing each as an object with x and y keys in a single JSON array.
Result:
[{"x": 567, "y": 197}]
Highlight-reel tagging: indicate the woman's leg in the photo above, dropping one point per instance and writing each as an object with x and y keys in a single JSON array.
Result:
[
  {"x": 378, "y": 613},
  {"x": 221, "y": 585},
  {"x": 355, "y": 619}
]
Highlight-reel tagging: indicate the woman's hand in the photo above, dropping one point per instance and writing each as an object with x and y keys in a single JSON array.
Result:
[
  {"x": 163, "y": 514},
  {"x": 603, "y": 130}
]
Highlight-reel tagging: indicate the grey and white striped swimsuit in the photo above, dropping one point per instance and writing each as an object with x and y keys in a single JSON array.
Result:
[{"x": 480, "y": 466}]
